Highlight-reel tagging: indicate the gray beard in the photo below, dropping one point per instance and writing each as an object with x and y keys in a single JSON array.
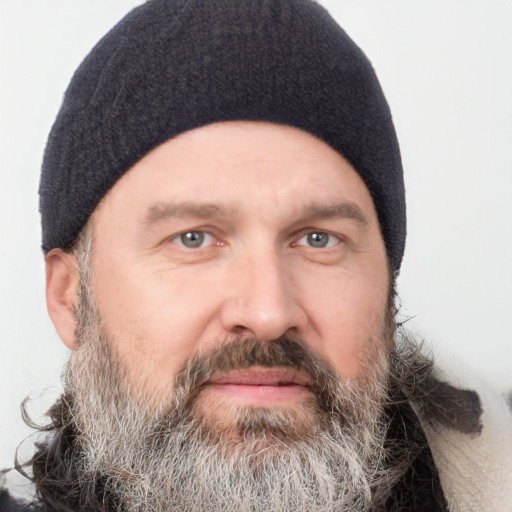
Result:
[{"x": 163, "y": 453}]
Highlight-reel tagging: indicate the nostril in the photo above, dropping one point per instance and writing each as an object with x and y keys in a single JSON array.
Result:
[{"x": 240, "y": 329}]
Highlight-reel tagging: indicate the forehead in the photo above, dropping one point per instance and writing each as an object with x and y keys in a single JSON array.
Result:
[{"x": 238, "y": 166}]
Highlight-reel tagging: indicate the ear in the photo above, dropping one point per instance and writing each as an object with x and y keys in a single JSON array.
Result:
[{"x": 61, "y": 293}]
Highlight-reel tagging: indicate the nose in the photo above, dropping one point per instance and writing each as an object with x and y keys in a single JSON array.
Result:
[{"x": 262, "y": 299}]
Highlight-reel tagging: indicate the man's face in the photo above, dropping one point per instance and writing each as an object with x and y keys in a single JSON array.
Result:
[
  {"x": 233, "y": 330},
  {"x": 239, "y": 230}
]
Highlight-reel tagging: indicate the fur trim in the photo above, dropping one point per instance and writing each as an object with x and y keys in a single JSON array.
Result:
[{"x": 474, "y": 464}]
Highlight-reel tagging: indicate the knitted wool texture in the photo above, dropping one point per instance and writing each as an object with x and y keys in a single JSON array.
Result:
[{"x": 173, "y": 65}]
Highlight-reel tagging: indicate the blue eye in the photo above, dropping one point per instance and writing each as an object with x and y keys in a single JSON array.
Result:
[
  {"x": 318, "y": 240},
  {"x": 194, "y": 239}
]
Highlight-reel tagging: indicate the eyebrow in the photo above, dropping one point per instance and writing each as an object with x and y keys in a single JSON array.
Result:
[
  {"x": 346, "y": 210},
  {"x": 163, "y": 211}
]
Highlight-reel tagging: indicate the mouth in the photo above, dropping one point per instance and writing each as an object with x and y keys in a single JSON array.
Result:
[{"x": 259, "y": 386}]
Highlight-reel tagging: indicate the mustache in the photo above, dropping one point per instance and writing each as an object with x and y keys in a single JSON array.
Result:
[{"x": 245, "y": 352}]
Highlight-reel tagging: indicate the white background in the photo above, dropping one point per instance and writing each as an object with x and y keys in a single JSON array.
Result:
[{"x": 446, "y": 68}]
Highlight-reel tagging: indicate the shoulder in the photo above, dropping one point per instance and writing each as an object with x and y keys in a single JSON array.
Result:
[{"x": 469, "y": 430}]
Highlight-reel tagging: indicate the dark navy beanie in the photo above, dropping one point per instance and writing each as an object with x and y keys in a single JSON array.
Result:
[{"x": 173, "y": 65}]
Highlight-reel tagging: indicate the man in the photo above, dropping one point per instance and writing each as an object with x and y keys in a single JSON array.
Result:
[{"x": 223, "y": 221}]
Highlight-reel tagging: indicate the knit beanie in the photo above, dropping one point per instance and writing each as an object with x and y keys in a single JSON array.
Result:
[{"x": 173, "y": 65}]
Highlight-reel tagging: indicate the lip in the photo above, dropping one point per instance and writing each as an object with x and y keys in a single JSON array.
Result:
[{"x": 261, "y": 386}]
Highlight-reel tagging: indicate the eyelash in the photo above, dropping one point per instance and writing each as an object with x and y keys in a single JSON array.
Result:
[
  {"x": 332, "y": 240},
  {"x": 178, "y": 239}
]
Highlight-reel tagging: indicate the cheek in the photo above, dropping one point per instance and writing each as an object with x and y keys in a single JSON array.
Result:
[
  {"x": 348, "y": 317},
  {"x": 154, "y": 320}
]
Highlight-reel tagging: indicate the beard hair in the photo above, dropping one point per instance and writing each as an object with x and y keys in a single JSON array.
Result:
[{"x": 163, "y": 452}]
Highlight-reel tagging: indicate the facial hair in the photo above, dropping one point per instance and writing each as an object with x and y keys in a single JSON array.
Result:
[{"x": 166, "y": 452}]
